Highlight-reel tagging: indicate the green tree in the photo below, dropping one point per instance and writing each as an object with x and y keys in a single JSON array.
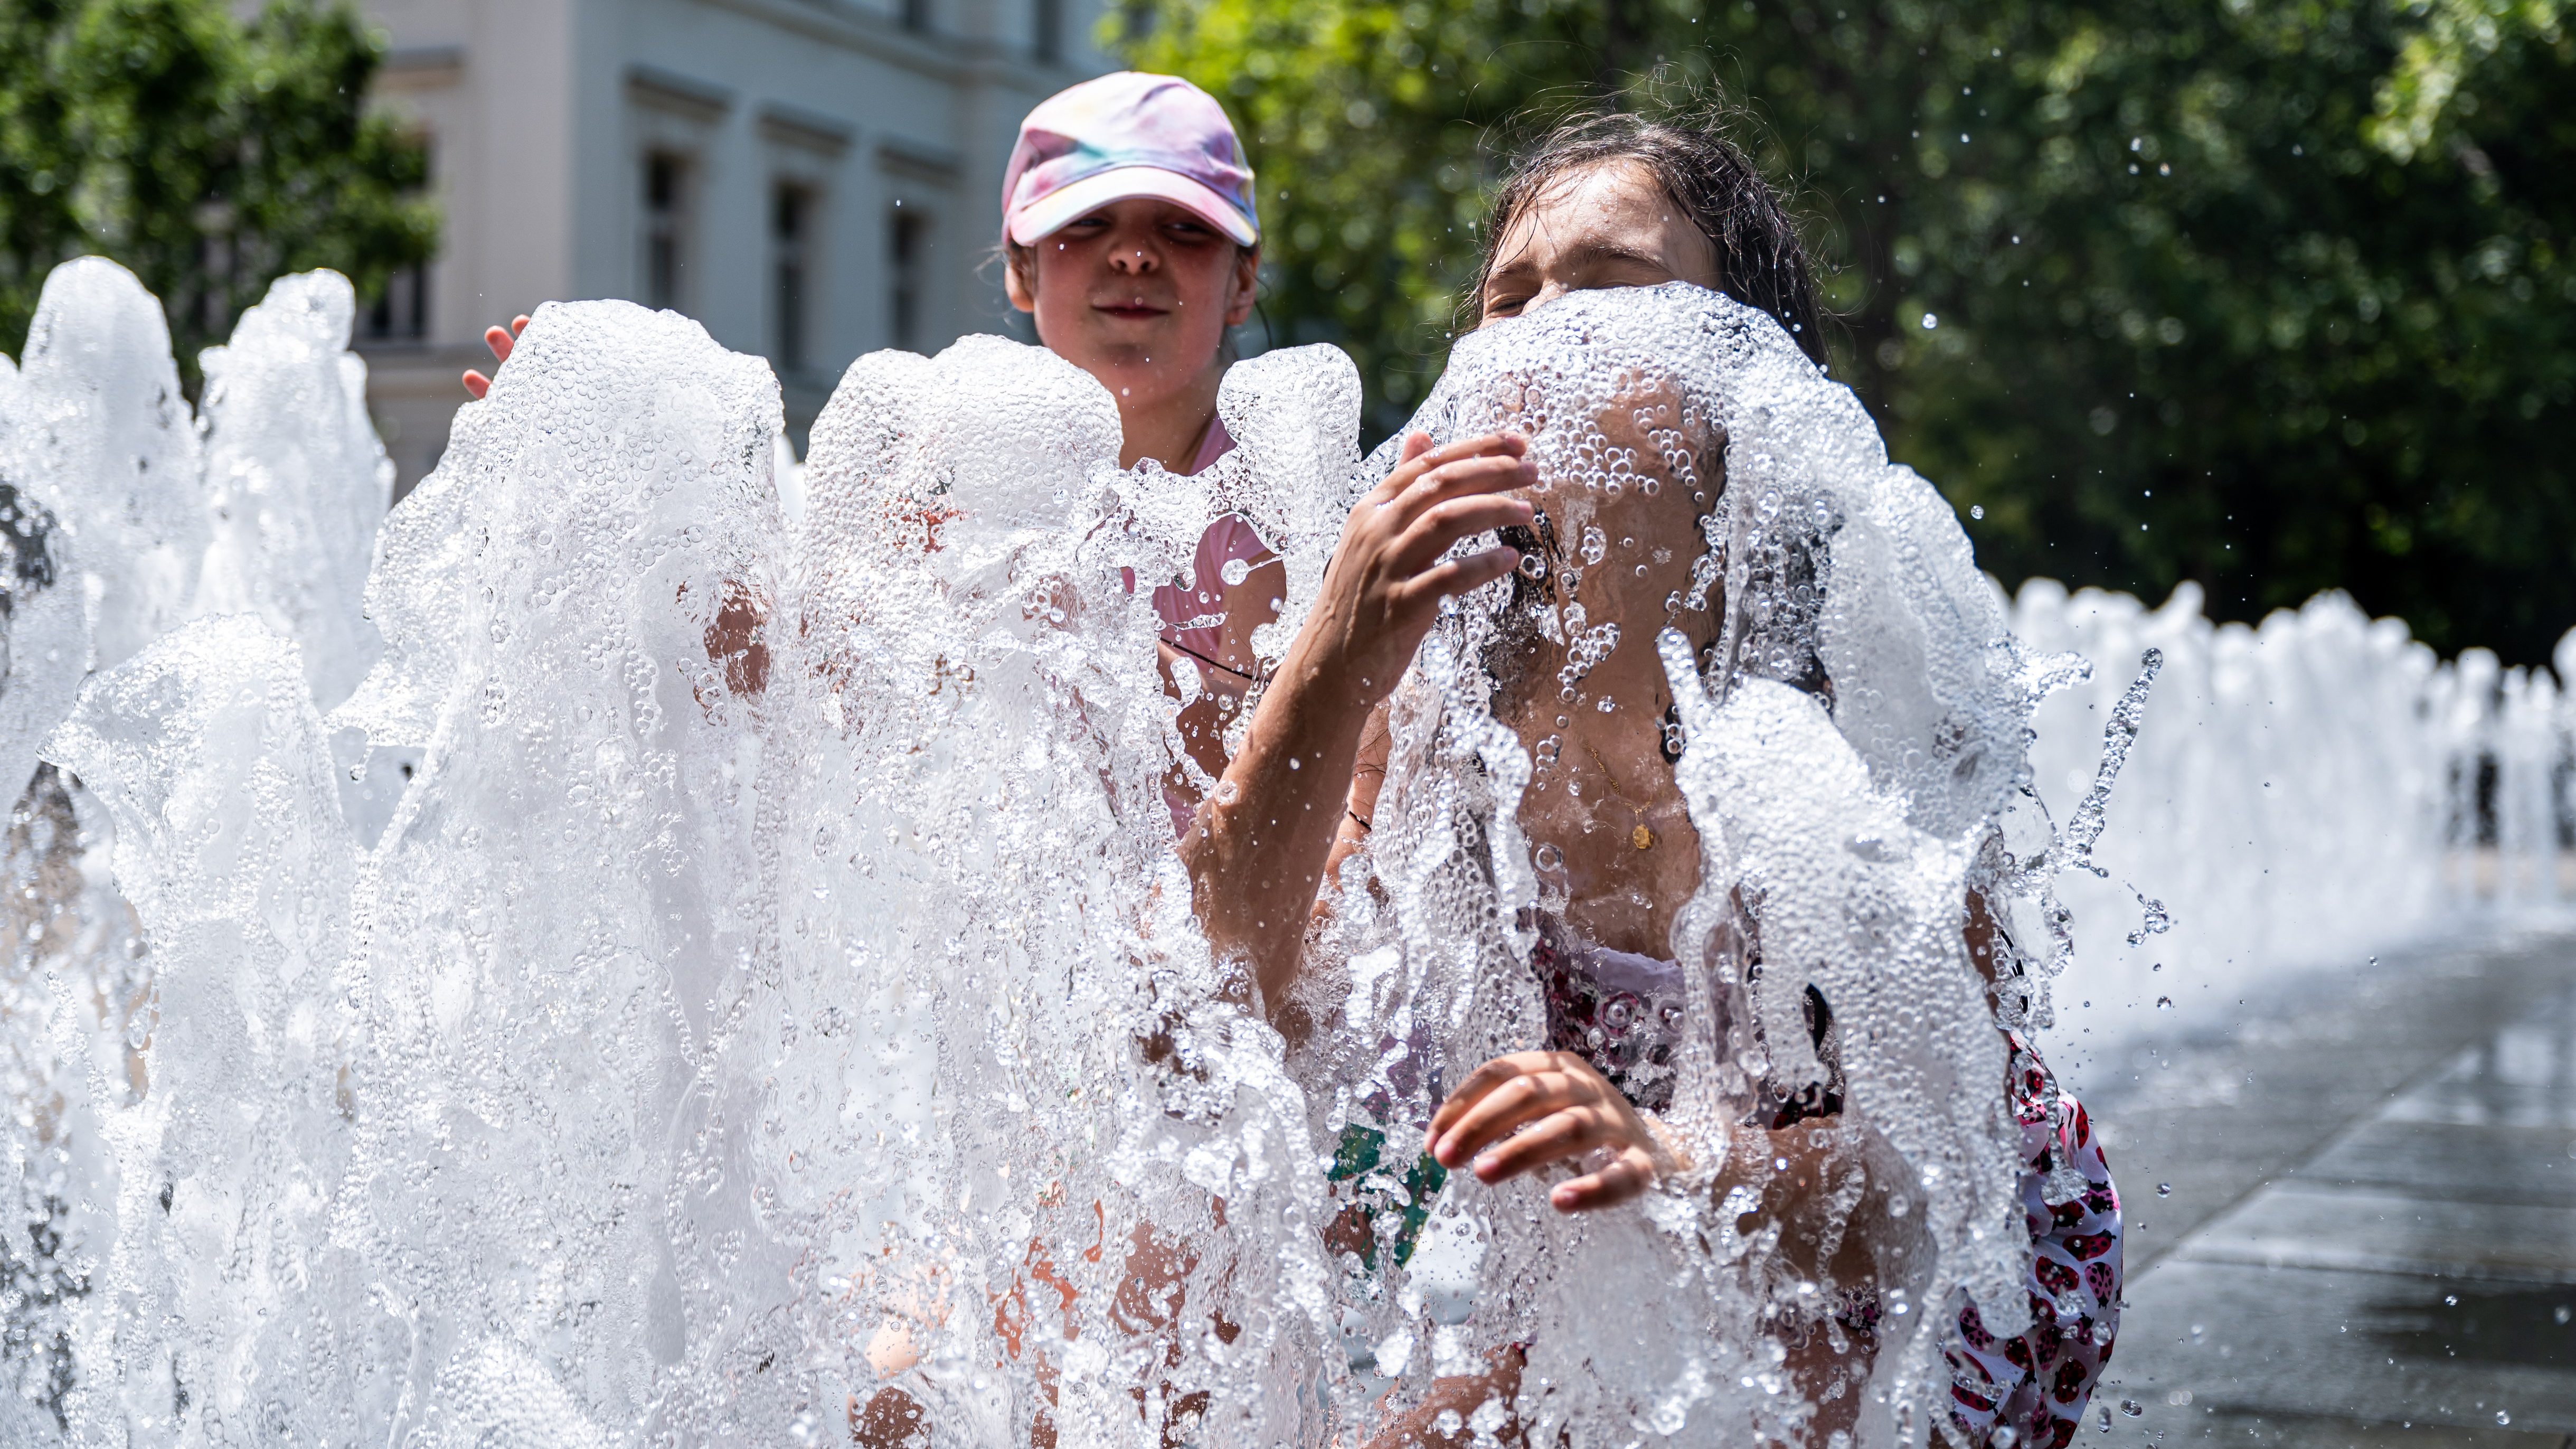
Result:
[
  {"x": 2271, "y": 296},
  {"x": 206, "y": 154}
]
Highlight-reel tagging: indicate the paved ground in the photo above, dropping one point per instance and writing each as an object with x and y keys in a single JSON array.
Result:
[{"x": 2367, "y": 1234}]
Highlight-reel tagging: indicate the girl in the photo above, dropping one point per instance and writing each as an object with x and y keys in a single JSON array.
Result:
[
  {"x": 1131, "y": 238},
  {"x": 1613, "y": 201}
]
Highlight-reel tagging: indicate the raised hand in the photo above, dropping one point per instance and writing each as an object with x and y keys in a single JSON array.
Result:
[
  {"x": 500, "y": 341},
  {"x": 1518, "y": 1113},
  {"x": 1389, "y": 573}
]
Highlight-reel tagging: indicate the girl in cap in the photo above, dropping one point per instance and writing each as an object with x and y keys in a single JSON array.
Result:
[{"x": 1131, "y": 238}]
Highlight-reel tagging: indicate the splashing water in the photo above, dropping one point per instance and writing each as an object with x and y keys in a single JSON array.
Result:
[
  {"x": 693, "y": 965},
  {"x": 2300, "y": 793}
]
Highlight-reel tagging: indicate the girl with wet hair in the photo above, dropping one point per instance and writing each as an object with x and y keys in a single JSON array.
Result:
[{"x": 1611, "y": 200}]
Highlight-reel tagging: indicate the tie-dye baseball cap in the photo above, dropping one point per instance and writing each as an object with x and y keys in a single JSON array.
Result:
[{"x": 1126, "y": 135}]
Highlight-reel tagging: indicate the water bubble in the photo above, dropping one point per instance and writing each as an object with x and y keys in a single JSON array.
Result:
[
  {"x": 1235, "y": 571},
  {"x": 1930, "y": 321},
  {"x": 1596, "y": 545},
  {"x": 2164, "y": 1003},
  {"x": 1547, "y": 857},
  {"x": 1976, "y": 510},
  {"x": 2164, "y": 1189},
  {"x": 1605, "y": 705},
  {"x": 2503, "y": 1418},
  {"x": 2559, "y": 1313},
  {"x": 2132, "y": 1408}
]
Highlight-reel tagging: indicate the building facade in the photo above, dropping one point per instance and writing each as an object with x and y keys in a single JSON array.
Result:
[{"x": 811, "y": 179}]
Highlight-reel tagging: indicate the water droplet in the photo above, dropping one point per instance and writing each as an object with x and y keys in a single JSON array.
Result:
[
  {"x": 2132, "y": 1408},
  {"x": 2164, "y": 1003},
  {"x": 2559, "y": 1313},
  {"x": 1930, "y": 322},
  {"x": 2503, "y": 1418},
  {"x": 2164, "y": 1189},
  {"x": 2450, "y": 1300},
  {"x": 1976, "y": 510}
]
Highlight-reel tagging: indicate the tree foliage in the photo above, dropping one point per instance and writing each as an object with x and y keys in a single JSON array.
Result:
[
  {"x": 2276, "y": 295},
  {"x": 207, "y": 154}
]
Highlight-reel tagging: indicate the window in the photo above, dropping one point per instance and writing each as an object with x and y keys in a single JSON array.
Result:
[
  {"x": 906, "y": 241},
  {"x": 665, "y": 263},
  {"x": 791, "y": 251},
  {"x": 400, "y": 313},
  {"x": 1046, "y": 31}
]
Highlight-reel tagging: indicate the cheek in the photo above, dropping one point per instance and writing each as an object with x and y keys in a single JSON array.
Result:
[{"x": 1205, "y": 286}]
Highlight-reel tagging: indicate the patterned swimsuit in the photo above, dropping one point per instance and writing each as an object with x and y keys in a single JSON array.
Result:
[{"x": 1622, "y": 1013}]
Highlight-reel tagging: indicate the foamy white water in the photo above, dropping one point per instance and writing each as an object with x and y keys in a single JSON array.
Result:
[
  {"x": 722, "y": 973},
  {"x": 2302, "y": 792}
]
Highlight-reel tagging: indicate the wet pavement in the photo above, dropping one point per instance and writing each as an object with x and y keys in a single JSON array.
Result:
[{"x": 2367, "y": 1234}]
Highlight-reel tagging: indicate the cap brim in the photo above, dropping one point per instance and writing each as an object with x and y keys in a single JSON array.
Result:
[{"x": 1066, "y": 205}]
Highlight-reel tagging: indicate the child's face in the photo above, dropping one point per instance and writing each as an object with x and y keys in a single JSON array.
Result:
[
  {"x": 1611, "y": 225},
  {"x": 1138, "y": 294}
]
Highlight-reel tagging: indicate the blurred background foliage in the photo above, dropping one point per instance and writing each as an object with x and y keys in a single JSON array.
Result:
[
  {"x": 2275, "y": 295},
  {"x": 206, "y": 153}
]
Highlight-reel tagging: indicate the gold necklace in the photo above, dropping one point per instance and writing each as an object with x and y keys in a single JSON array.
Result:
[{"x": 1640, "y": 837}]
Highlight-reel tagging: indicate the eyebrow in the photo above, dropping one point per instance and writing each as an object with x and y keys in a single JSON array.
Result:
[{"x": 1585, "y": 254}]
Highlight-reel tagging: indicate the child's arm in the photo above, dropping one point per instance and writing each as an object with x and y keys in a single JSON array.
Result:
[{"x": 1259, "y": 849}]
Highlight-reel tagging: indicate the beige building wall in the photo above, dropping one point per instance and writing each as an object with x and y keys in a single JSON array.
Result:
[{"x": 811, "y": 179}]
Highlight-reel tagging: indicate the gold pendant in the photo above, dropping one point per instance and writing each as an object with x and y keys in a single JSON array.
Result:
[{"x": 1641, "y": 837}]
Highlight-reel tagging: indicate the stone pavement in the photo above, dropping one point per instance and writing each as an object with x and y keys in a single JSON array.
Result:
[{"x": 2367, "y": 1231}]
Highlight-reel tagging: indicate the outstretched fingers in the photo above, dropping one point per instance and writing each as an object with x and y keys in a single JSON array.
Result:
[{"x": 501, "y": 341}]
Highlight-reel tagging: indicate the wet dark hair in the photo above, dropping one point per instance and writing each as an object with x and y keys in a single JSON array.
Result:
[{"x": 1760, "y": 261}]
